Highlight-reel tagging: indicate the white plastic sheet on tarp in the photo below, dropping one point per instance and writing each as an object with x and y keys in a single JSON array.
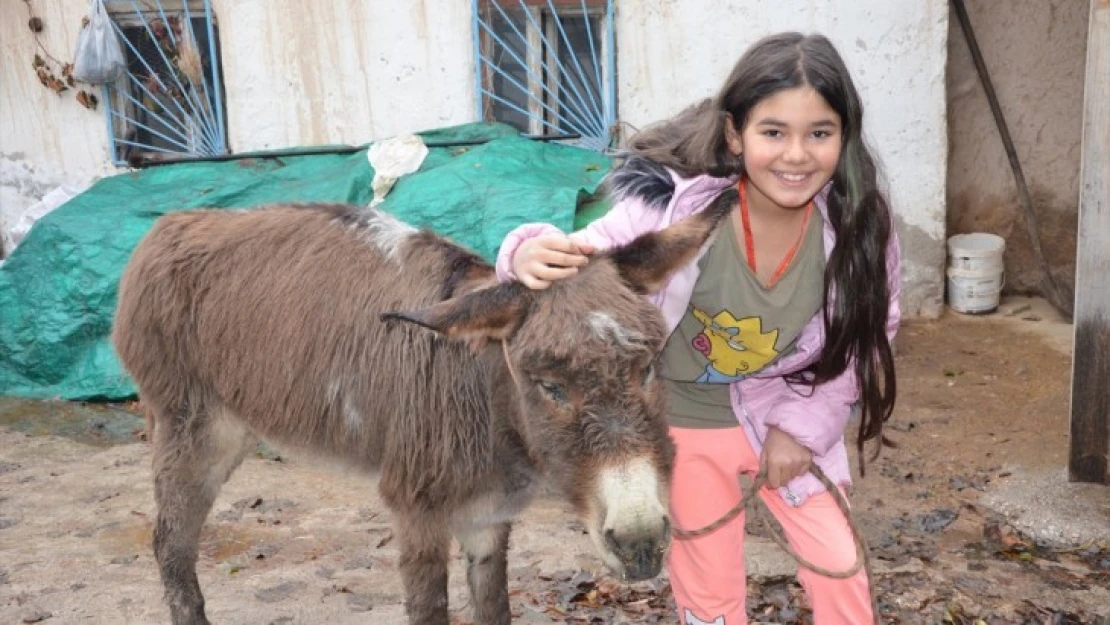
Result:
[
  {"x": 22, "y": 225},
  {"x": 392, "y": 159}
]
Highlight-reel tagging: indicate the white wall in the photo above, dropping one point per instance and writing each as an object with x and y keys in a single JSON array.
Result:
[
  {"x": 672, "y": 53},
  {"x": 346, "y": 71},
  {"x": 350, "y": 71}
]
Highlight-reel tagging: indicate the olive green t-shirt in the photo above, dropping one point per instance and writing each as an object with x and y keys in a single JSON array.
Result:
[{"x": 735, "y": 326}]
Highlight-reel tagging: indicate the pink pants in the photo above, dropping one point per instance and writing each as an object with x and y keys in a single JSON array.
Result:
[{"x": 707, "y": 573}]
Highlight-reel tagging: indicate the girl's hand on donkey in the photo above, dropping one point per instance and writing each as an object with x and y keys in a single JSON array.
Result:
[
  {"x": 540, "y": 261},
  {"x": 783, "y": 458}
]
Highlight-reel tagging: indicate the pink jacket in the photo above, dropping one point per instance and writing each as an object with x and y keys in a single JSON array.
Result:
[{"x": 816, "y": 420}]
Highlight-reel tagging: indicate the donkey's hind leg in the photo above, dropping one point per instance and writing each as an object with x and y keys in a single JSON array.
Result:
[{"x": 194, "y": 454}]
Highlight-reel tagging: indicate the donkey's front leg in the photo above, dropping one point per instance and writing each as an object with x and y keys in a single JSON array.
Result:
[
  {"x": 486, "y": 562},
  {"x": 425, "y": 545}
]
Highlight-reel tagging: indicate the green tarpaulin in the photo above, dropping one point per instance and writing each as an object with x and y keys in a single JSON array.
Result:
[{"x": 58, "y": 289}]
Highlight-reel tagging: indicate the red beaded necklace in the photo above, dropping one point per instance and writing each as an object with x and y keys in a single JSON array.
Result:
[{"x": 749, "y": 243}]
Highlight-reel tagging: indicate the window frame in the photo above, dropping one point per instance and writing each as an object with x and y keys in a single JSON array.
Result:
[
  {"x": 543, "y": 107},
  {"x": 209, "y": 94}
]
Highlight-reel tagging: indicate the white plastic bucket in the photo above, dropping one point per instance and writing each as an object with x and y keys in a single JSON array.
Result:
[{"x": 975, "y": 272}]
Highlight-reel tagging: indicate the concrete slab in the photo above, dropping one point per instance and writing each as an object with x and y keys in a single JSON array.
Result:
[{"x": 1045, "y": 506}]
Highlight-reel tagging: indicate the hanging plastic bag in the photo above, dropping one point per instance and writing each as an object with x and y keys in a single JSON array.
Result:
[{"x": 98, "y": 59}]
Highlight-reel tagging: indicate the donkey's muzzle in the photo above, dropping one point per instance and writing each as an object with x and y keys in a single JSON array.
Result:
[{"x": 641, "y": 553}]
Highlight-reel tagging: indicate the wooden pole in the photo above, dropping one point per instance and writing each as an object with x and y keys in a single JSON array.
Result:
[{"x": 1089, "y": 447}]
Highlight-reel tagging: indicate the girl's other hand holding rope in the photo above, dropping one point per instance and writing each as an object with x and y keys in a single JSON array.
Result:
[{"x": 783, "y": 458}]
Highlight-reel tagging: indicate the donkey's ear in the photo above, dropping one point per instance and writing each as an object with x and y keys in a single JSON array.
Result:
[
  {"x": 649, "y": 260},
  {"x": 493, "y": 313}
]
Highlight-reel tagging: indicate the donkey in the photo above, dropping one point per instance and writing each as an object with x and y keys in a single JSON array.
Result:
[{"x": 343, "y": 333}]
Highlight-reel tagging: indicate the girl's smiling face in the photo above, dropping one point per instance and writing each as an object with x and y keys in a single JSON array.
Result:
[{"x": 791, "y": 145}]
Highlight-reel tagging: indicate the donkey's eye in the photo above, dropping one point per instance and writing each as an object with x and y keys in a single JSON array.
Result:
[
  {"x": 554, "y": 390},
  {"x": 649, "y": 374}
]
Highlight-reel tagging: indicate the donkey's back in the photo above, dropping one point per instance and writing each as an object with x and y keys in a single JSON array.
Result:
[{"x": 271, "y": 318}]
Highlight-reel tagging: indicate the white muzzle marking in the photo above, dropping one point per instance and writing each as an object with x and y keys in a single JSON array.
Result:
[{"x": 634, "y": 502}]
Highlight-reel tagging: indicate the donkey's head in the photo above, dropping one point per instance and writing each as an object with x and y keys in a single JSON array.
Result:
[{"x": 581, "y": 355}]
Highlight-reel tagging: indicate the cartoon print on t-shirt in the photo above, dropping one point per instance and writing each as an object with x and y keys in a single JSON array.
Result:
[{"x": 734, "y": 347}]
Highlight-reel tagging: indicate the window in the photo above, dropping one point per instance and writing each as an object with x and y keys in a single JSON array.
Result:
[
  {"x": 547, "y": 67},
  {"x": 170, "y": 105}
]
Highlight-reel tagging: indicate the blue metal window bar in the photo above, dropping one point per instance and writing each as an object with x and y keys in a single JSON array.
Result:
[
  {"x": 170, "y": 104},
  {"x": 548, "y": 67}
]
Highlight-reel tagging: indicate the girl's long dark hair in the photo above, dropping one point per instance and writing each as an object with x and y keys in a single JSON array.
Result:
[{"x": 857, "y": 287}]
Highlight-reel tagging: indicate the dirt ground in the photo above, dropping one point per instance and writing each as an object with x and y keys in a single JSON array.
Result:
[{"x": 982, "y": 425}]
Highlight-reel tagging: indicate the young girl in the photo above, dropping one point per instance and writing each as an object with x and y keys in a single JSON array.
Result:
[{"x": 779, "y": 330}]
